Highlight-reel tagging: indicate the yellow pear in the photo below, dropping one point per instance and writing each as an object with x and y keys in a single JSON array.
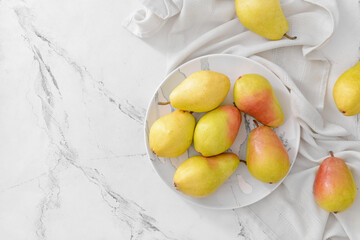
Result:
[
  {"x": 346, "y": 91},
  {"x": 263, "y": 17},
  {"x": 202, "y": 91},
  {"x": 200, "y": 176},
  {"x": 172, "y": 134}
]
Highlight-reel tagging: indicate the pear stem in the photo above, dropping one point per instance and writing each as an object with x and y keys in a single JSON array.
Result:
[
  {"x": 243, "y": 161},
  {"x": 163, "y": 103},
  {"x": 288, "y": 37},
  {"x": 331, "y": 154},
  {"x": 256, "y": 123}
]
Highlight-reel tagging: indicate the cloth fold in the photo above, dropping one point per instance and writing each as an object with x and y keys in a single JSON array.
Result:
[
  {"x": 306, "y": 67},
  {"x": 164, "y": 8},
  {"x": 147, "y": 21}
]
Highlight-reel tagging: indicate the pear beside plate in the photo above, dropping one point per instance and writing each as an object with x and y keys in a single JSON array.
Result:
[{"x": 241, "y": 189}]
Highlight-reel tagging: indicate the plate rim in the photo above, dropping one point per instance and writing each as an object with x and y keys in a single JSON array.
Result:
[{"x": 297, "y": 129}]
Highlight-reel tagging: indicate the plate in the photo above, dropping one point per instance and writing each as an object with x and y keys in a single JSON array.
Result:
[{"x": 241, "y": 189}]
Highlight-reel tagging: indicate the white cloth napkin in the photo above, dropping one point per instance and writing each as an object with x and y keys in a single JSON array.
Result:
[{"x": 328, "y": 37}]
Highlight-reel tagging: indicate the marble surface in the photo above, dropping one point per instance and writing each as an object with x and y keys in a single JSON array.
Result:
[{"x": 74, "y": 90}]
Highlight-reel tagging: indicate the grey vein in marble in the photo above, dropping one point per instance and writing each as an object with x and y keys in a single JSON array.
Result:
[
  {"x": 62, "y": 152},
  {"x": 49, "y": 102},
  {"x": 130, "y": 110},
  {"x": 23, "y": 182},
  {"x": 242, "y": 231},
  {"x": 50, "y": 200},
  {"x": 126, "y": 210}
]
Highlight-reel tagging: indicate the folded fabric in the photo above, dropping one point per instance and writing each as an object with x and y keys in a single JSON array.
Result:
[
  {"x": 147, "y": 21},
  {"x": 308, "y": 67}
]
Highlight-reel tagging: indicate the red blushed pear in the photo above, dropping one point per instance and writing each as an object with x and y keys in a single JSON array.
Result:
[
  {"x": 266, "y": 157},
  {"x": 334, "y": 187},
  {"x": 216, "y": 130},
  {"x": 254, "y": 95}
]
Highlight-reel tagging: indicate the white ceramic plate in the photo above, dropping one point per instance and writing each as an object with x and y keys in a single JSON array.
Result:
[{"x": 241, "y": 189}]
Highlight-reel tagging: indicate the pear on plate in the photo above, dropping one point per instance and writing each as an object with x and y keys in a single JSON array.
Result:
[
  {"x": 217, "y": 130},
  {"x": 202, "y": 91},
  {"x": 266, "y": 157},
  {"x": 172, "y": 134},
  {"x": 254, "y": 95},
  {"x": 346, "y": 91},
  {"x": 334, "y": 186},
  {"x": 200, "y": 176},
  {"x": 265, "y": 18}
]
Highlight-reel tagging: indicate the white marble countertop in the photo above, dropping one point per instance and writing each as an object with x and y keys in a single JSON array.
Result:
[{"x": 75, "y": 88}]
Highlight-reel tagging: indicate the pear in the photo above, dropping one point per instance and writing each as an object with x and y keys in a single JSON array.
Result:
[
  {"x": 334, "y": 186},
  {"x": 216, "y": 130},
  {"x": 200, "y": 176},
  {"x": 172, "y": 134},
  {"x": 266, "y": 157},
  {"x": 202, "y": 91},
  {"x": 263, "y": 17},
  {"x": 254, "y": 95},
  {"x": 346, "y": 91}
]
